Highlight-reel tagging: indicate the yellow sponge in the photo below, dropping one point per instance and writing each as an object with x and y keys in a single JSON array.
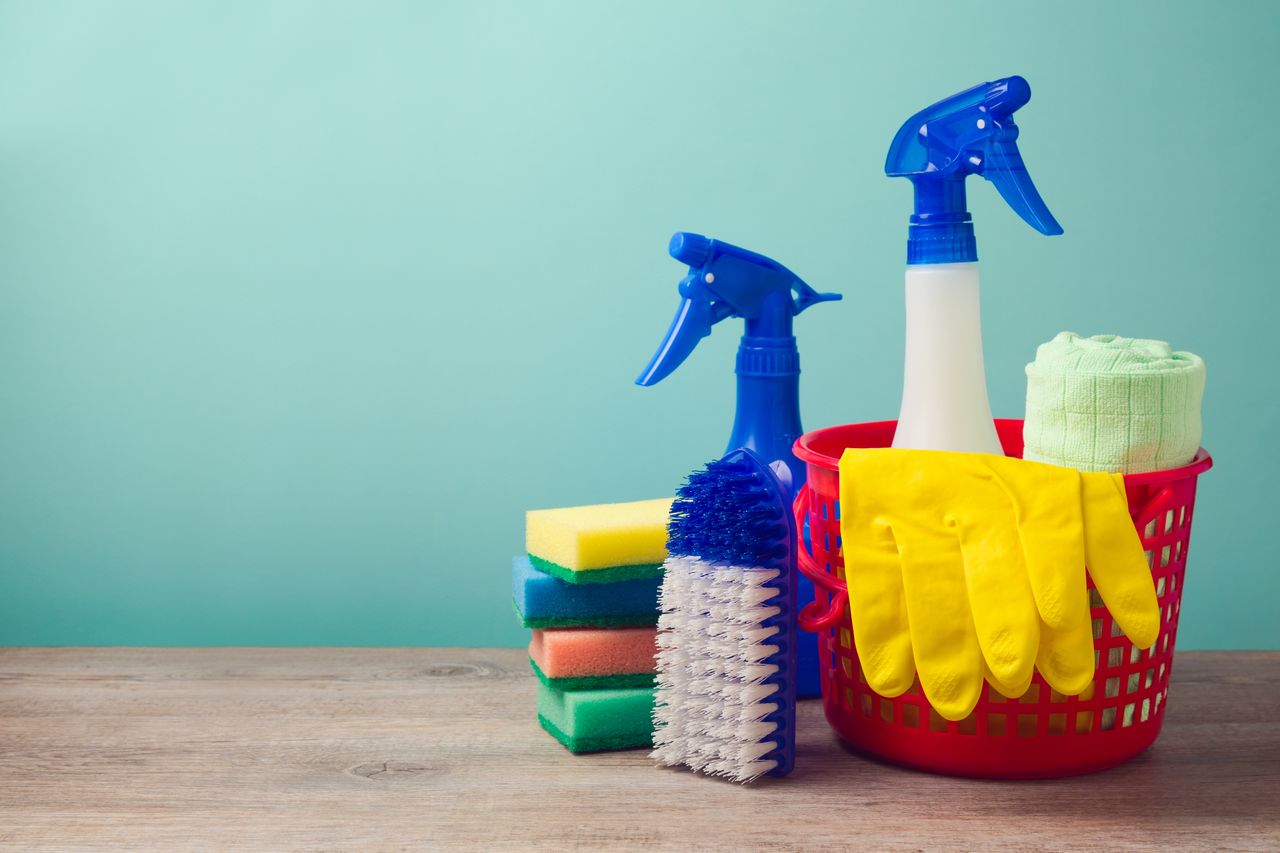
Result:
[{"x": 598, "y": 544}]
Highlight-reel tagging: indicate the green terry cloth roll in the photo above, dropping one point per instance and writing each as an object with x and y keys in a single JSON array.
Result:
[{"x": 1108, "y": 403}]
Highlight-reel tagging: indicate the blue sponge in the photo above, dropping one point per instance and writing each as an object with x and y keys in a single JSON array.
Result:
[{"x": 546, "y": 602}]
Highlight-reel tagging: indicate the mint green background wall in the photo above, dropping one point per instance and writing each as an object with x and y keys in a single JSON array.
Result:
[{"x": 302, "y": 304}]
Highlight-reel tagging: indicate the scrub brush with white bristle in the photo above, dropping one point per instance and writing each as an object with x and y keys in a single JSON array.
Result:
[{"x": 725, "y": 700}]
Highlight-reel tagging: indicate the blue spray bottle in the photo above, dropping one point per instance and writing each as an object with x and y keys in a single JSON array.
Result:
[
  {"x": 725, "y": 281},
  {"x": 944, "y": 394}
]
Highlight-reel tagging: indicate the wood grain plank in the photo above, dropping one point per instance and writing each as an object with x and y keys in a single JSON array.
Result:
[{"x": 438, "y": 749}]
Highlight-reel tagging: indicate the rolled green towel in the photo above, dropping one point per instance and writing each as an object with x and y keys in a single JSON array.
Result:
[{"x": 1108, "y": 403}]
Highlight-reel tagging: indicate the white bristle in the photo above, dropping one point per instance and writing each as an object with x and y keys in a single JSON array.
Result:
[{"x": 710, "y": 701}]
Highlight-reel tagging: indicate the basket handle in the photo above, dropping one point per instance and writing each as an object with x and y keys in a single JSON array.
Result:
[
  {"x": 816, "y": 617},
  {"x": 1154, "y": 508}
]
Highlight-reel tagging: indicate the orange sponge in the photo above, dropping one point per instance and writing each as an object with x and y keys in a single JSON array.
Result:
[{"x": 592, "y": 656}]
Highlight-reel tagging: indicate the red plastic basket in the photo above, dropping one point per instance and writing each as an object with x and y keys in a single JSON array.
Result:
[{"x": 1042, "y": 734}]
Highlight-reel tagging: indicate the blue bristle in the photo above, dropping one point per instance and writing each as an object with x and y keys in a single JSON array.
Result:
[{"x": 726, "y": 513}]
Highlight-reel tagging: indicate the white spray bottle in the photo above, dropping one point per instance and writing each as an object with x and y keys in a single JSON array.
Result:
[{"x": 944, "y": 393}]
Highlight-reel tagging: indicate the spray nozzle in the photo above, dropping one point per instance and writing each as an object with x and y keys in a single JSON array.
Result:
[
  {"x": 726, "y": 281},
  {"x": 970, "y": 133}
]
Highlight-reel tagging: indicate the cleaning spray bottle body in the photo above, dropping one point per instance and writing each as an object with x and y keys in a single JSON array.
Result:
[
  {"x": 944, "y": 396},
  {"x": 726, "y": 281},
  {"x": 944, "y": 386},
  {"x": 766, "y": 418}
]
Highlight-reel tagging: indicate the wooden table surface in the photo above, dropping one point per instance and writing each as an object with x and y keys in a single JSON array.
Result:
[{"x": 438, "y": 749}]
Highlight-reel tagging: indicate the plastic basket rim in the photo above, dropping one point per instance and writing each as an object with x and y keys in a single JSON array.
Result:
[{"x": 1200, "y": 463}]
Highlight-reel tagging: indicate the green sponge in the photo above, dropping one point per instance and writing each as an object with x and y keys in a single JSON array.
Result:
[
  {"x": 613, "y": 574},
  {"x": 597, "y": 720},
  {"x": 587, "y": 621},
  {"x": 593, "y": 682}
]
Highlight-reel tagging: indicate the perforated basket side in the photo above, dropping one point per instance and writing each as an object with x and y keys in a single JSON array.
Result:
[{"x": 1042, "y": 733}]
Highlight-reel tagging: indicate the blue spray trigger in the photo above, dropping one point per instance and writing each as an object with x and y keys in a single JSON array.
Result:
[
  {"x": 1005, "y": 169},
  {"x": 698, "y": 312},
  {"x": 969, "y": 133}
]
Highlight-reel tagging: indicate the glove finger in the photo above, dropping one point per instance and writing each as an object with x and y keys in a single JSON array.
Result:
[
  {"x": 1046, "y": 499},
  {"x": 947, "y": 655},
  {"x": 878, "y": 608},
  {"x": 1066, "y": 656},
  {"x": 1117, "y": 563},
  {"x": 1009, "y": 690},
  {"x": 1000, "y": 598}
]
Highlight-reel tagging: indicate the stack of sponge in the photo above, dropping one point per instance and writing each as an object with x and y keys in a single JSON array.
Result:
[{"x": 588, "y": 587}]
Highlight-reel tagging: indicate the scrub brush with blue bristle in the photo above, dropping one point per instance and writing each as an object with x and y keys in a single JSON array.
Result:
[{"x": 726, "y": 662}]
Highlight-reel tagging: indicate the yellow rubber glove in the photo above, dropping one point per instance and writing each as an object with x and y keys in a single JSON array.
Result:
[{"x": 962, "y": 566}]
